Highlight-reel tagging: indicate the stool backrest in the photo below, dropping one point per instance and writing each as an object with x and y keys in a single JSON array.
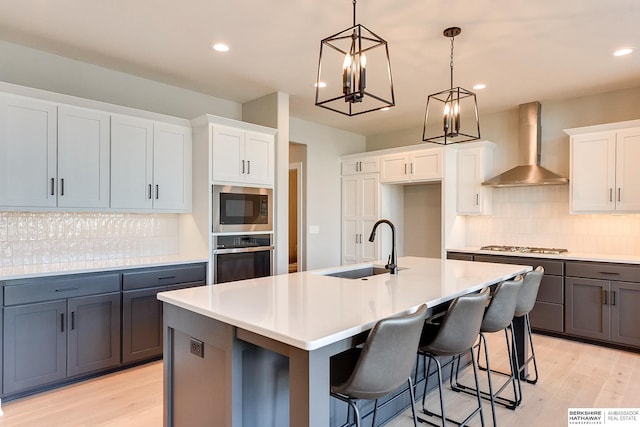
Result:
[
  {"x": 502, "y": 307},
  {"x": 388, "y": 356},
  {"x": 529, "y": 291},
  {"x": 460, "y": 325}
]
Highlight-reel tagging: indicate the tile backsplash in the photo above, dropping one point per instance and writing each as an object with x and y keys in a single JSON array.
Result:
[
  {"x": 53, "y": 237},
  {"x": 539, "y": 216}
]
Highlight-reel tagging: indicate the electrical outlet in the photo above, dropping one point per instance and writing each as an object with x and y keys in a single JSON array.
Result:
[{"x": 196, "y": 347}]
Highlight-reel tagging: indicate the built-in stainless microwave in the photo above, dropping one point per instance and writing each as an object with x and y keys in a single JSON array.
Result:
[{"x": 242, "y": 209}]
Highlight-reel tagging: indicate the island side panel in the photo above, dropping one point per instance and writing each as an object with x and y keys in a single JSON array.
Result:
[{"x": 198, "y": 388}]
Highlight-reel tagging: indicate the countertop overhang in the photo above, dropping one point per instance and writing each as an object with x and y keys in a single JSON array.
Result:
[{"x": 310, "y": 310}]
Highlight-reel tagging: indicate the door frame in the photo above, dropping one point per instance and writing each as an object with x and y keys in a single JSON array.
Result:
[{"x": 301, "y": 241}]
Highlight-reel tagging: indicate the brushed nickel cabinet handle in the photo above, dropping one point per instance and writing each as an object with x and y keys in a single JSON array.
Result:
[
  {"x": 150, "y": 192},
  {"x": 157, "y": 191},
  {"x": 243, "y": 166},
  {"x": 477, "y": 199},
  {"x": 604, "y": 297},
  {"x": 619, "y": 194},
  {"x": 248, "y": 167},
  {"x": 613, "y": 297},
  {"x": 611, "y": 194}
]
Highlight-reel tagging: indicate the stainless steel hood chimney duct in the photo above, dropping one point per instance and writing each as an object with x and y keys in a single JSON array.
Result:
[{"x": 529, "y": 171}]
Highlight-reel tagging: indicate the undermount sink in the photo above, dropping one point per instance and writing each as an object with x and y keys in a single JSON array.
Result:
[{"x": 358, "y": 273}]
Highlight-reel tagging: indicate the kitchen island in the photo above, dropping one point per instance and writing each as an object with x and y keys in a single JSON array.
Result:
[{"x": 256, "y": 352}]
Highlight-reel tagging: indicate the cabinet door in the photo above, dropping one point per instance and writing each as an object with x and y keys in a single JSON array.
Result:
[
  {"x": 586, "y": 314},
  {"x": 258, "y": 152},
  {"x": 624, "y": 301},
  {"x": 94, "y": 333},
  {"x": 469, "y": 171},
  {"x": 171, "y": 167},
  {"x": 141, "y": 324},
  {"x": 131, "y": 163},
  {"x": 350, "y": 218},
  {"x": 426, "y": 165},
  {"x": 627, "y": 170},
  {"x": 362, "y": 165},
  {"x": 28, "y": 152},
  {"x": 83, "y": 158},
  {"x": 593, "y": 172},
  {"x": 228, "y": 154},
  {"x": 394, "y": 168},
  {"x": 35, "y": 345}
]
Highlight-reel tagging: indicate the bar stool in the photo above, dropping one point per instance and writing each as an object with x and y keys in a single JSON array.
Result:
[
  {"x": 381, "y": 366},
  {"x": 498, "y": 316},
  {"x": 451, "y": 335},
  {"x": 526, "y": 301}
]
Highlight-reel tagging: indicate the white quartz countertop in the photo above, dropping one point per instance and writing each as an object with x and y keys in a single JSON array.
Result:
[
  {"x": 56, "y": 269},
  {"x": 569, "y": 256},
  {"x": 309, "y": 310}
]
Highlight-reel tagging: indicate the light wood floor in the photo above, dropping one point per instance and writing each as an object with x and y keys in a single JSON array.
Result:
[{"x": 573, "y": 375}]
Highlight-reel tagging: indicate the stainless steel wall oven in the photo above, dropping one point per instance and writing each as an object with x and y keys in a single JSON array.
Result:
[{"x": 239, "y": 257}]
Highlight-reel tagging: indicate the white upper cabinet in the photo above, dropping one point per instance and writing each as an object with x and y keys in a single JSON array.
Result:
[
  {"x": 171, "y": 167},
  {"x": 28, "y": 152},
  {"x": 83, "y": 158},
  {"x": 604, "y": 171},
  {"x": 242, "y": 157},
  {"x": 131, "y": 163},
  {"x": 414, "y": 166},
  {"x": 360, "y": 165},
  {"x": 472, "y": 168}
]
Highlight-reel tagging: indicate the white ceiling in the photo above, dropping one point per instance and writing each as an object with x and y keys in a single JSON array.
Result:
[{"x": 522, "y": 50}]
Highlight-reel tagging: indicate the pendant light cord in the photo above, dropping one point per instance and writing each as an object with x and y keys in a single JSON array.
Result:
[
  {"x": 354, "y": 13},
  {"x": 450, "y": 63}
]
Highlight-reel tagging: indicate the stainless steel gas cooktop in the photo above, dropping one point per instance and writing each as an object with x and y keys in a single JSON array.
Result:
[{"x": 523, "y": 249}]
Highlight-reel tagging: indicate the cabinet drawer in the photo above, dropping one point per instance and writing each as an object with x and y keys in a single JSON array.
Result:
[
  {"x": 605, "y": 271},
  {"x": 163, "y": 276},
  {"x": 552, "y": 267},
  {"x": 460, "y": 256},
  {"x": 551, "y": 289},
  {"x": 547, "y": 316},
  {"x": 26, "y": 291}
]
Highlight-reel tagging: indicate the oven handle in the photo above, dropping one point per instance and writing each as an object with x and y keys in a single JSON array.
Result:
[{"x": 243, "y": 250}]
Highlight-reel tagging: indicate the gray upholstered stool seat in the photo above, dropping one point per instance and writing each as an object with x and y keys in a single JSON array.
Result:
[
  {"x": 498, "y": 316},
  {"x": 451, "y": 335},
  {"x": 382, "y": 365}
]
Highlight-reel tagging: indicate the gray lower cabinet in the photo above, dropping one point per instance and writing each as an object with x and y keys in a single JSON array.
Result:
[
  {"x": 142, "y": 335},
  {"x": 59, "y": 328},
  {"x": 548, "y": 312},
  {"x": 602, "y": 302}
]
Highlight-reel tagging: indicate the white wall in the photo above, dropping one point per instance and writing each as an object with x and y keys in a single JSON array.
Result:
[
  {"x": 33, "y": 68},
  {"x": 325, "y": 145}
]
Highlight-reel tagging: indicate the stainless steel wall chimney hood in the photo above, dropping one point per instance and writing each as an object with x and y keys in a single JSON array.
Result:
[{"x": 529, "y": 171}]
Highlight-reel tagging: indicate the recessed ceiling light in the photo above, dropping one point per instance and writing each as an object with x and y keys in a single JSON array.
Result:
[
  {"x": 623, "y": 52},
  {"x": 384, "y": 109},
  {"x": 480, "y": 86},
  {"x": 320, "y": 85},
  {"x": 219, "y": 47}
]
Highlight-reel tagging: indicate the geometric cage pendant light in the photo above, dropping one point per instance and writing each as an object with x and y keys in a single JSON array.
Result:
[
  {"x": 354, "y": 72},
  {"x": 451, "y": 115}
]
